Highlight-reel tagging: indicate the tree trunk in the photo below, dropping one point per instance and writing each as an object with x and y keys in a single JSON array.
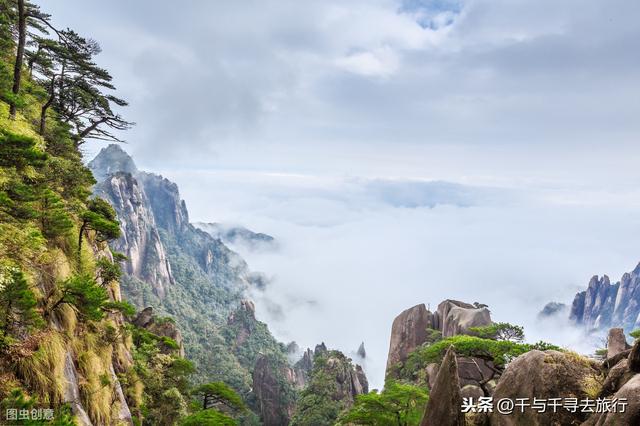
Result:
[
  {"x": 43, "y": 110},
  {"x": 82, "y": 229},
  {"x": 17, "y": 67}
]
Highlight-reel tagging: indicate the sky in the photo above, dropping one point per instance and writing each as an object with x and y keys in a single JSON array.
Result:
[{"x": 400, "y": 151}]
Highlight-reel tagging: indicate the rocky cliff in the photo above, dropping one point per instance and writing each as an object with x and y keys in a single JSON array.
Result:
[
  {"x": 417, "y": 325},
  {"x": 183, "y": 272},
  {"x": 461, "y": 369},
  {"x": 333, "y": 385},
  {"x": 603, "y": 304},
  {"x": 140, "y": 241}
]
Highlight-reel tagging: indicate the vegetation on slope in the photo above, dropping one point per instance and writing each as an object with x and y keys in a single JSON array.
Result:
[{"x": 65, "y": 344}]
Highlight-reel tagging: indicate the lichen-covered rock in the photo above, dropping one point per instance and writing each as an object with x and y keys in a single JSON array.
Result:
[
  {"x": 548, "y": 374},
  {"x": 445, "y": 401}
]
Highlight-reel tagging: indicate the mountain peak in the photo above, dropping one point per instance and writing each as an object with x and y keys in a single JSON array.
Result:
[{"x": 110, "y": 160}]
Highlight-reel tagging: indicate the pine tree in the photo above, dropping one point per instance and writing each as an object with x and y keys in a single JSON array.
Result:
[
  {"x": 101, "y": 218},
  {"x": 17, "y": 303},
  {"x": 83, "y": 294},
  {"x": 52, "y": 215}
]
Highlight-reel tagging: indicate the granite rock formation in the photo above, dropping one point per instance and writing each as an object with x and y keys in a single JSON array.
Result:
[
  {"x": 445, "y": 400},
  {"x": 544, "y": 375},
  {"x": 415, "y": 326},
  {"x": 603, "y": 304}
]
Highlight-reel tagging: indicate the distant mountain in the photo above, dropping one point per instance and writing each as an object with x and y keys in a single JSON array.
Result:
[
  {"x": 553, "y": 309},
  {"x": 238, "y": 235},
  {"x": 603, "y": 304}
]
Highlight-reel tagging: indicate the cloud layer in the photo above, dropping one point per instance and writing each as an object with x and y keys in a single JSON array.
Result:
[{"x": 402, "y": 151}]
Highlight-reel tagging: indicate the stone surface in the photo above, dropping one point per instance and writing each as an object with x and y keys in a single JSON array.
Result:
[
  {"x": 616, "y": 342},
  {"x": 432, "y": 373},
  {"x": 409, "y": 330},
  {"x": 445, "y": 401},
  {"x": 455, "y": 317},
  {"x": 548, "y": 374},
  {"x": 139, "y": 239},
  {"x": 72, "y": 391}
]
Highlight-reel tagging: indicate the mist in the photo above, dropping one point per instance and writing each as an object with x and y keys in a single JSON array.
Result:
[{"x": 349, "y": 258}]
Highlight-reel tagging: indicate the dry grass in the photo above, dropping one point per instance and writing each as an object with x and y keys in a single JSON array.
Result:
[
  {"x": 96, "y": 387},
  {"x": 43, "y": 371}
]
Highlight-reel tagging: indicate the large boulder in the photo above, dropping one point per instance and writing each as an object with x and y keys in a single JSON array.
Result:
[
  {"x": 409, "y": 331},
  {"x": 455, "y": 317},
  {"x": 544, "y": 375},
  {"x": 445, "y": 401},
  {"x": 630, "y": 394},
  {"x": 616, "y": 342}
]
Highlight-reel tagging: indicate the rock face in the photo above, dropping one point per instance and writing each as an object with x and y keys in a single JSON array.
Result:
[
  {"x": 409, "y": 330},
  {"x": 414, "y": 326},
  {"x": 274, "y": 398},
  {"x": 445, "y": 401},
  {"x": 139, "y": 240},
  {"x": 605, "y": 305},
  {"x": 616, "y": 342},
  {"x": 303, "y": 369},
  {"x": 455, "y": 317},
  {"x": 548, "y": 374},
  {"x": 181, "y": 271}
]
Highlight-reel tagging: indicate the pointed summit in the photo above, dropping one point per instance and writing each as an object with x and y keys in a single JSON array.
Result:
[{"x": 110, "y": 160}]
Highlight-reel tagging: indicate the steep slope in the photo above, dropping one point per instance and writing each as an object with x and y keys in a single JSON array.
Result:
[
  {"x": 603, "y": 305},
  {"x": 183, "y": 272}
]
